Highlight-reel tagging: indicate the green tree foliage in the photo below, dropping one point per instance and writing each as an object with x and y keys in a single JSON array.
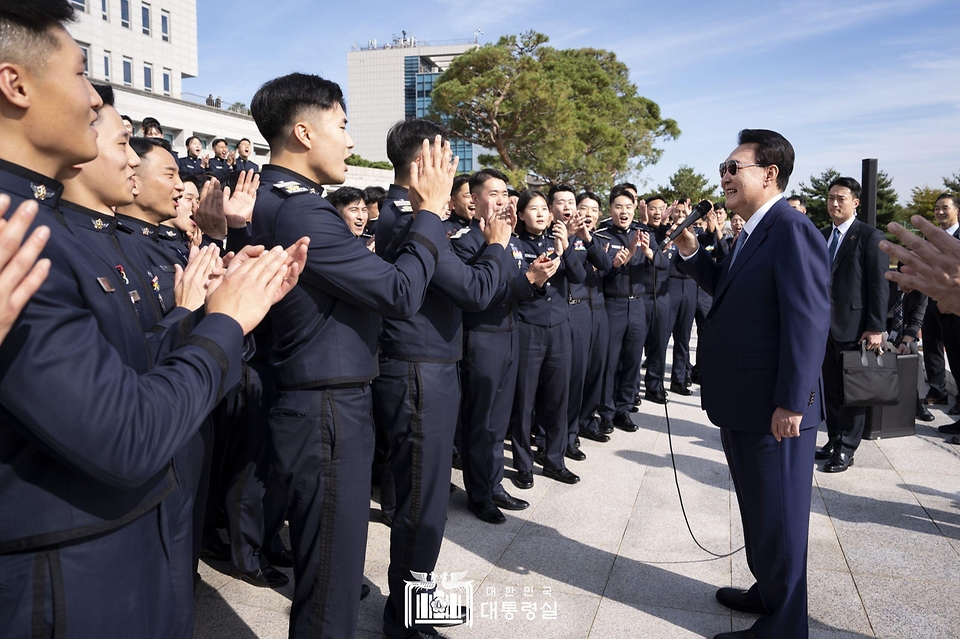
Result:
[
  {"x": 558, "y": 115},
  {"x": 922, "y": 201},
  {"x": 356, "y": 160},
  {"x": 816, "y": 193},
  {"x": 687, "y": 182},
  {"x": 952, "y": 183}
]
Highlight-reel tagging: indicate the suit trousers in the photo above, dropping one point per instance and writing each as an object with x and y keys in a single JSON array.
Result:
[
  {"x": 933, "y": 360},
  {"x": 543, "y": 384},
  {"x": 489, "y": 369},
  {"x": 704, "y": 304},
  {"x": 773, "y": 484},
  {"x": 844, "y": 423},
  {"x": 418, "y": 407},
  {"x": 951, "y": 341},
  {"x": 323, "y": 440},
  {"x": 628, "y": 331},
  {"x": 581, "y": 332},
  {"x": 683, "y": 306}
]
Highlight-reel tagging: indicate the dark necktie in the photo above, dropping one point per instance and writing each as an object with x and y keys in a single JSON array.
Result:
[
  {"x": 833, "y": 244},
  {"x": 741, "y": 240}
]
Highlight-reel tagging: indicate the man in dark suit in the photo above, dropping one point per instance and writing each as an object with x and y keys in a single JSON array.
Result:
[
  {"x": 858, "y": 312},
  {"x": 774, "y": 282},
  {"x": 946, "y": 336}
]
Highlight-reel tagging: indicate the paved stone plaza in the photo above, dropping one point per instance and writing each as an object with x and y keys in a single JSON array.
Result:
[{"x": 613, "y": 555}]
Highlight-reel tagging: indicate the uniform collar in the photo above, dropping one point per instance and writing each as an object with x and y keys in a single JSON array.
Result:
[
  {"x": 527, "y": 235},
  {"x": 456, "y": 219},
  {"x": 307, "y": 182},
  {"x": 31, "y": 185},
  {"x": 397, "y": 192},
  {"x": 170, "y": 233},
  {"x": 137, "y": 227},
  {"x": 84, "y": 218}
]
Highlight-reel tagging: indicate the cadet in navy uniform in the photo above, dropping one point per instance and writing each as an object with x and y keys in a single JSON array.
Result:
[
  {"x": 585, "y": 401},
  {"x": 623, "y": 289},
  {"x": 192, "y": 163},
  {"x": 218, "y": 166},
  {"x": 414, "y": 398},
  {"x": 462, "y": 209},
  {"x": 81, "y": 551},
  {"x": 325, "y": 338},
  {"x": 543, "y": 380},
  {"x": 489, "y": 366},
  {"x": 683, "y": 307},
  {"x": 658, "y": 307},
  {"x": 243, "y": 163}
]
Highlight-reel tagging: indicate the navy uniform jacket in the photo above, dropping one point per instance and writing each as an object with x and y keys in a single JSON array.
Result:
[
  {"x": 219, "y": 169},
  {"x": 190, "y": 166},
  {"x": 858, "y": 288},
  {"x": 435, "y": 332},
  {"x": 628, "y": 279},
  {"x": 454, "y": 224},
  {"x": 501, "y": 314},
  {"x": 325, "y": 330},
  {"x": 240, "y": 165},
  {"x": 159, "y": 259},
  {"x": 99, "y": 455},
  {"x": 553, "y": 306},
  {"x": 175, "y": 241},
  {"x": 597, "y": 262},
  {"x": 778, "y": 290},
  {"x": 391, "y": 205}
]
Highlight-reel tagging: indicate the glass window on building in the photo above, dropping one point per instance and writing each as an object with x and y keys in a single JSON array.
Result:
[
  {"x": 81, "y": 5},
  {"x": 86, "y": 58},
  {"x": 104, "y": 9},
  {"x": 125, "y": 13},
  {"x": 145, "y": 18},
  {"x": 165, "y": 25},
  {"x": 106, "y": 65},
  {"x": 148, "y": 77},
  {"x": 167, "y": 75},
  {"x": 128, "y": 72}
]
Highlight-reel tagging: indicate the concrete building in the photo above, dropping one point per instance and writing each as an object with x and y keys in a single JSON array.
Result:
[
  {"x": 145, "y": 49},
  {"x": 391, "y": 82}
]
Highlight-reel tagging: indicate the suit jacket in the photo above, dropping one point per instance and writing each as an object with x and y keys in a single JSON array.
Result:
[
  {"x": 858, "y": 289},
  {"x": 763, "y": 340}
]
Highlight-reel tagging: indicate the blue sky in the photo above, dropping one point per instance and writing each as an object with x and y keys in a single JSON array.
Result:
[{"x": 842, "y": 80}]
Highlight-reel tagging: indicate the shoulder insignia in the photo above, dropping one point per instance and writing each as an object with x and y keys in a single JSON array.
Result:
[
  {"x": 292, "y": 188},
  {"x": 404, "y": 206},
  {"x": 460, "y": 233}
]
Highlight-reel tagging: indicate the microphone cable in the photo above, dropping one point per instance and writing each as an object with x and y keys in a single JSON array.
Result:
[{"x": 666, "y": 414}]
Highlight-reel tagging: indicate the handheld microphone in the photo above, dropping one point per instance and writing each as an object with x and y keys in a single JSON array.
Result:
[{"x": 698, "y": 212}]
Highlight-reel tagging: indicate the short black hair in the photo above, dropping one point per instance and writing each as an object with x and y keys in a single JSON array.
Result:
[
  {"x": 682, "y": 198},
  {"x": 278, "y": 102},
  {"x": 588, "y": 195},
  {"x": 143, "y": 146},
  {"x": 720, "y": 205},
  {"x": 625, "y": 185},
  {"x": 483, "y": 175},
  {"x": 244, "y": 140},
  {"x": 192, "y": 179},
  {"x": 772, "y": 149},
  {"x": 105, "y": 91},
  {"x": 26, "y": 29},
  {"x": 847, "y": 182},
  {"x": 345, "y": 195},
  {"x": 559, "y": 188},
  {"x": 525, "y": 198},
  {"x": 655, "y": 196},
  {"x": 512, "y": 192},
  {"x": 950, "y": 196},
  {"x": 127, "y": 118},
  {"x": 192, "y": 137},
  {"x": 458, "y": 182},
  {"x": 405, "y": 139},
  {"x": 799, "y": 198},
  {"x": 218, "y": 141},
  {"x": 373, "y": 194},
  {"x": 624, "y": 190}
]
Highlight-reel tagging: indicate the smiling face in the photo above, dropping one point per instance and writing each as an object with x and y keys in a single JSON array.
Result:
[
  {"x": 621, "y": 211},
  {"x": 194, "y": 148},
  {"x": 490, "y": 198},
  {"x": 752, "y": 186},
  {"x": 329, "y": 142},
  {"x": 945, "y": 212},
  {"x": 221, "y": 150},
  {"x": 244, "y": 149},
  {"x": 536, "y": 216},
  {"x": 590, "y": 210},
  {"x": 159, "y": 187},
  {"x": 736, "y": 223},
  {"x": 461, "y": 202},
  {"x": 186, "y": 207},
  {"x": 655, "y": 211},
  {"x": 355, "y": 215},
  {"x": 563, "y": 206},
  {"x": 108, "y": 180}
]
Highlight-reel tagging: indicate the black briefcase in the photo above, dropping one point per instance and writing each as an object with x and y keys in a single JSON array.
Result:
[
  {"x": 869, "y": 378},
  {"x": 884, "y": 422}
]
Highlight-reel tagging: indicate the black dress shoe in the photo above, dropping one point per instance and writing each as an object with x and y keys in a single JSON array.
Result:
[
  {"x": 453, "y": 488},
  {"x": 680, "y": 389},
  {"x": 538, "y": 457},
  {"x": 606, "y": 426},
  {"x": 594, "y": 436},
  {"x": 936, "y": 400},
  {"x": 563, "y": 475},
  {"x": 574, "y": 453},
  {"x": 838, "y": 463},
  {"x": 638, "y": 400},
  {"x": 955, "y": 440},
  {"x": 741, "y": 601},
  {"x": 623, "y": 422},
  {"x": 219, "y": 551},
  {"x": 955, "y": 409},
  {"x": 826, "y": 451},
  {"x": 523, "y": 480},
  {"x": 386, "y": 519},
  {"x": 695, "y": 377},
  {"x": 268, "y": 577},
  {"x": 657, "y": 397},
  {"x": 458, "y": 461},
  {"x": 949, "y": 429},
  {"x": 739, "y": 634},
  {"x": 504, "y": 500},
  {"x": 364, "y": 591},
  {"x": 487, "y": 511},
  {"x": 923, "y": 414},
  {"x": 282, "y": 559}
]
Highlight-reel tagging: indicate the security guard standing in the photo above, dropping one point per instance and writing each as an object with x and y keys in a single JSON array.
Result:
[{"x": 325, "y": 338}]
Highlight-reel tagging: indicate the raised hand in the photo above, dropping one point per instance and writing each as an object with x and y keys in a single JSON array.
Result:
[
  {"x": 250, "y": 286},
  {"x": 932, "y": 267},
  {"x": 20, "y": 272},
  {"x": 498, "y": 229},
  {"x": 560, "y": 239},
  {"x": 431, "y": 176},
  {"x": 209, "y": 216},
  {"x": 238, "y": 206},
  {"x": 204, "y": 268},
  {"x": 542, "y": 269}
]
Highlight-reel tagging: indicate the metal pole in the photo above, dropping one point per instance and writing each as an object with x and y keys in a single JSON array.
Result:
[{"x": 868, "y": 193}]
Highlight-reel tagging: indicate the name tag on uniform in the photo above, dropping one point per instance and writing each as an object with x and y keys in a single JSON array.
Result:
[
  {"x": 291, "y": 188},
  {"x": 460, "y": 233},
  {"x": 404, "y": 206},
  {"x": 105, "y": 285}
]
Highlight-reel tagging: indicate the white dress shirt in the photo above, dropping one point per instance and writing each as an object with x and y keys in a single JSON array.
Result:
[
  {"x": 749, "y": 225},
  {"x": 843, "y": 233}
]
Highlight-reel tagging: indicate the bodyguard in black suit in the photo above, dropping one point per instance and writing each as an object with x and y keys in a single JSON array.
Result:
[
  {"x": 946, "y": 211},
  {"x": 764, "y": 392},
  {"x": 858, "y": 312}
]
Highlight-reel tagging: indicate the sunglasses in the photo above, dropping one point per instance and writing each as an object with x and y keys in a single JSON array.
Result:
[{"x": 733, "y": 166}]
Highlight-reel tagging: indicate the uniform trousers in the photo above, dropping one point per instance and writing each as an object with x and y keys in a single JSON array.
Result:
[
  {"x": 184, "y": 542},
  {"x": 773, "y": 483},
  {"x": 543, "y": 386},
  {"x": 581, "y": 336},
  {"x": 418, "y": 404},
  {"x": 628, "y": 331},
  {"x": 596, "y": 368},
  {"x": 658, "y": 336},
  {"x": 489, "y": 382},
  {"x": 323, "y": 440},
  {"x": 683, "y": 306}
]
